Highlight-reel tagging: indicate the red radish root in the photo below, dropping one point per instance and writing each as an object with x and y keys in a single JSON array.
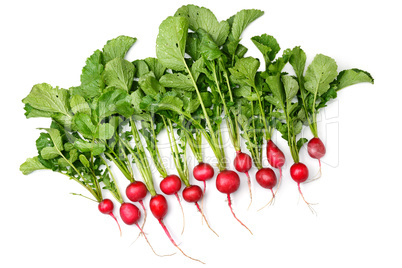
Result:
[
  {"x": 193, "y": 194},
  {"x": 316, "y": 149},
  {"x": 136, "y": 192},
  {"x": 203, "y": 172},
  {"x": 130, "y": 214},
  {"x": 228, "y": 182},
  {"x": 170, "y": 186},
  {"x": 276, "y": 159},
  {"x": 243, "y": 163},
  {"x": 159, "y": 208},
  {"x": 106, "y": 207},
  {"x": 275, "y": 156},
  {"x": 266, "y": 177},
  {"x": 299, "y": 173}
]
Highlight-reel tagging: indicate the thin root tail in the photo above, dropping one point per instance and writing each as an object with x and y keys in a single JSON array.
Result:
[
  {"x": 203, "y": 216},
  {"x": 308, "y": 204},
  {"x": 271, "y": 202},
  {"x": 234, "y": 215},
  {"x": 112, "y": 215},
  {"x": 318, "y": 175},
  {"x": 249, "y": 189},
  {"x": 182, "y": 212},
  {"x": 142, "y": 232},
  {"x": 174, "y": 243}
]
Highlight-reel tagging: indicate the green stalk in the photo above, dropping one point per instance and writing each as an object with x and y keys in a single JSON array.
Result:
[
  {"x": 95, "y": 180},
  {"x": 221, "y": 160},
  {"x": 313, "y": 126},
  {"x": 215, "y": 142},
  {"x": 201, "y": 102},
  {"x": 233, "y": 128},
  {"x": 83, "y": 185},
  {"x": 97, "y": 194},
  {"x": 292, "y": 139},
  {"x": 254, "y": 150},
  {"x": 181, "y": 166},
  {"x": 129, "y": 165},
  {"x": 142, "y": 162},
  {"x": 236, "y": 126},
  {"x": 116, "y": 194},
  {"x": 264, "y": 121},
  {"x": 194, "y": 145},
  {"x": 158, "y": 162},
  {"x": 123, "y": 170}
]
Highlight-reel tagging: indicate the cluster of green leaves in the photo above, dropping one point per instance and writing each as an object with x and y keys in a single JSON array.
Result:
[
  {"x": 199, "y": 50},
  {"x": 321, "y": 82},
  {"x": 89, "y": 119},
  {"x": 283, "y": 101}
]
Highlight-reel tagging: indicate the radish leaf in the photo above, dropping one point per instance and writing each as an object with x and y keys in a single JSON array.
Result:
[
  {"x": 119, "y": 73},
  {"x": 92, "y": 83},
  {"x": 30, "y": 165},
  {"x": 171, "y": 42},
  {"x": 117, "y": 47},
  {"x": 320, "y": 73}
]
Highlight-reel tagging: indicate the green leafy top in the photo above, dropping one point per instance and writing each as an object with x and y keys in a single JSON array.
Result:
[
  {"x": 171, "y": 43},
  {"x": 320, "y": 82}
]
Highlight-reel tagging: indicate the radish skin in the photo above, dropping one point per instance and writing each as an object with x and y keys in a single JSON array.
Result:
[
  {"x": 266, "y": 178},
  {"x": 159, "y": 208},
  {"x": 299, "y": 173},
  {"x": 193, "y": 194},
  {"x": 136, "y": 192},
  {"x": 130, "y": 214},
  {"x": 170, "y": 185},
  {"x": 228, "y": 182},
  {"x": 106, "y": 207},
  {"x": 316, "y": 149},
  {"x": 243, "y": 163},
  {"x": 276, "y": 159},
  {"x": 203, "y": 172}
]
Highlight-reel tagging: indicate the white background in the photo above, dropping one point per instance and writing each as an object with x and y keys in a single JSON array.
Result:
[{"x": 359, "y": 211}]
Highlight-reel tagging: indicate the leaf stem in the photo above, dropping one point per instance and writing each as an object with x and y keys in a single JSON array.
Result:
[
  {"x": 116, "y": 194},
  {"x": 159, "y": 164},
  {"x": 215, "y": 142}
]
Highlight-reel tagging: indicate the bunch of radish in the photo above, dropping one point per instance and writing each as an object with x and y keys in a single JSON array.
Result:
[{"x": 200, "y": 77}]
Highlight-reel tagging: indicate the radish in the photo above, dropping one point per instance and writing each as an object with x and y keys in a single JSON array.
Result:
[
  {"x": 159, "y": 209},
  {"x": 318, "y": 85},
  {"x": 316, "y": 150},
  {"x": 171, "y": 185},
  {"x": 203, "y": 172},
  {"x": 136, "y": 192},
  {"x": 106, "y": 207},
  {"x": 276, "y": 158},
  {"x": 192, "y": 193},
  {"x": 130, "y": 214},
  {"x": 267, "y": 179},
  {"x": 243, "y": 163},
  {"x": 228, "y": 182},
  {"x": 299, "y": 173}
]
